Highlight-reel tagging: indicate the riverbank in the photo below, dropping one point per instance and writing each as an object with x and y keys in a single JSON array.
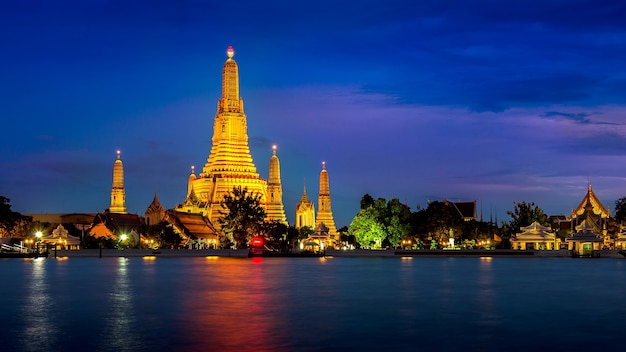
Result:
[{"x": 243, "y": 253}]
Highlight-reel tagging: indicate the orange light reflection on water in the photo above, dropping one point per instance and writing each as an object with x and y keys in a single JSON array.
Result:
[{"x": 231, "y": 308}]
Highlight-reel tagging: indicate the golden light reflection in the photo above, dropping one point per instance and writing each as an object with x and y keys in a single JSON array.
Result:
[
  {"x": 407, "y": 258},
  {"x": 245, "y": 293},
  {"x": 149, "y": 257},
  {"x": 212, "y": 257},
  {"x": 62, "y": 258}
]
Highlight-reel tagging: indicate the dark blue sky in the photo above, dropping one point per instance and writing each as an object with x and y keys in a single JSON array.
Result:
[{"x": 498, "y": 101}]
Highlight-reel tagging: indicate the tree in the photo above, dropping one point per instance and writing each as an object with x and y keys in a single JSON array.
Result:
[
  {"x": 439, "y": 218},
  {"x": 12, "y": 223},
  {"x": 366, "y": 201},
  {"x": 242, "y": 217},
  {"x": 620, "y": 210},
  {"x": 397, "y": 221},
  {"x": 366, "y": 228},
  {"x": 524, "y": 214},
  {"x": 275, "y": 234}
]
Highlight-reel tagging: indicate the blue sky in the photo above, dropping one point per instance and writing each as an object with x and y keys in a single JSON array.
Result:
[{"x": 498, "y": 101}]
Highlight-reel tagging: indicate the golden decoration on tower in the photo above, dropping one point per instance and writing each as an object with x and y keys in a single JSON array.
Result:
[
  {"x": 118, "y": 194},
  {"x": 229, "y": 163},
  {"x": 275, "y": 209},
  {"x": 324, "y": 213}
]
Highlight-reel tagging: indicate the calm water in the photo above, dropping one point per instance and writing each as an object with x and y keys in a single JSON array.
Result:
[{"x": 312, "y": 304}]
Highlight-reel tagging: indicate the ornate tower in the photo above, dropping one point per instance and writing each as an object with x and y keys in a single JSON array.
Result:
[
  {"x": 305, "y": 212},
  {"x": 275, "y": 209},
  {"x": 118, "y": 195},
  {"x": 155, "y": 212},
  {"x": 324, "y": 213},
  {"x": 229, "y": 164}
]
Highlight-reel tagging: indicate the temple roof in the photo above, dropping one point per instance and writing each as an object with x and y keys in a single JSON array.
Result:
[
  {"x": 117, "y": 222},
  {"x": 467, "y": 210},
  {"x": 534, "y": 232},
  {"x": 585, "y": 234},
  {"x": 155, "y": 206},
  {"x": 592, "y": 202},
  {"x": 191, "y": 225},
  {"x": 536, "y": 228}
]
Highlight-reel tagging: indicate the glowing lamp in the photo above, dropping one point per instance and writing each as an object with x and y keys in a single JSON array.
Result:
[
  {"x": 124, "y": 237},
  {"x": 257, "y": 242}
]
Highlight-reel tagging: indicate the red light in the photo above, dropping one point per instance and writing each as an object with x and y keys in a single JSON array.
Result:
[{"x": 257, "y": 242}]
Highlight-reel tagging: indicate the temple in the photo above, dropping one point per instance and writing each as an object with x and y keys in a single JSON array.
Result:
[
  {"x": 118, "y": 195},
  {"x": 324, "y": 213},
  {"x": 305, "y": 212},
  {"x": 275, "y": 210},
  {"x": 155, "y": 212},
  {"x": 229, "y": 163},
  {"x": 593, "y": 213}
]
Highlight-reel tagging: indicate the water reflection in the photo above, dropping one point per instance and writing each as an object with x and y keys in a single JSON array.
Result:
[
  {"x": 39, "y": 330},
  {"x": 233, "y": 304},
  {"x": 120, "y": 323}
]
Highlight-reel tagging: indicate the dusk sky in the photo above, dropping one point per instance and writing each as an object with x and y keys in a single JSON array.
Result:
[{"x": 497, "y": 101}]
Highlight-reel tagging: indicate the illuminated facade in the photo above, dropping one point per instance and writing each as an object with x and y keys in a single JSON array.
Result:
[
  {"x": 593, "y": 213},
  {"x": 324, "y": 212},
  {"x": 229, "y": 163},
  {"x": 305, "y": 212},
  {"x": 535, "y": 236},
  {"x": 118, "y": 194},
  {"x": 275, "y": 209}
]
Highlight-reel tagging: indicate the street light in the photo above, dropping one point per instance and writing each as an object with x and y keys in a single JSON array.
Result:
[
  {"x": 123, "y": 239},
  {"x": 38, "y": 234}
]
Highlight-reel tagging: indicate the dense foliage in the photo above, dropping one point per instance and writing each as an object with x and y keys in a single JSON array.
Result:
[
  {"x": 242, "y": 217},
  {"x": 12, "y": 223}
]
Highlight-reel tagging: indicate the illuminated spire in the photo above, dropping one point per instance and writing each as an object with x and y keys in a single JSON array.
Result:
[
  {"x": 324, "y": 212},
  {"x": 229, "y": 163},
  {"x": 230, "y": 102},
  {"x": 192, "y": 177},
  {"x": 118, "y": 194},
  {"x": 275, "y": 209}
]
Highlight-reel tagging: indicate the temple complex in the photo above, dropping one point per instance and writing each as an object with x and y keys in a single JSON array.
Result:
[
  {"x": 593, "y": 213},
  {"x": 324, "y": 213},
  {"x": 275, "y": 210},
  {"x": 229, "y": 163},
  {"x": 305, "y": 212},
  {"x": 118, "y": 195}
]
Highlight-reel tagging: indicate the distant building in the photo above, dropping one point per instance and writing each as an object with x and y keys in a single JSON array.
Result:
[
  {"x": 155, "y": 212},
  {"x": 535, "y": 237},
  {"x": 118, "y": 193},
  {"x": 324, "y": 211},
  {"x": 593, "y": 214},
  {"x": 305, "y": 212},
  {"x": 466, "y": 210},
  {"x": 114, "y": 226},
  {"x": 275, "y": 209},
  {"x": 585, "y": 241},
  {"x": 194, "y": 229}
]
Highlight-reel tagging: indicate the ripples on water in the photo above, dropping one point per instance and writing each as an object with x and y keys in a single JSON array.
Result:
[{"x": 311, "y": 304}]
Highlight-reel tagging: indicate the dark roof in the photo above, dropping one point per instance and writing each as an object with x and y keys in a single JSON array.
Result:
[
  {"x": 119, "y": 222},
  {"x": 465, "y": 209},
  {"x": 191, "y": 224}
]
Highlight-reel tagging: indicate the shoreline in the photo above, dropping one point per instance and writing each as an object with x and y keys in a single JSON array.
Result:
[{"x": 356, "y": 253}]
